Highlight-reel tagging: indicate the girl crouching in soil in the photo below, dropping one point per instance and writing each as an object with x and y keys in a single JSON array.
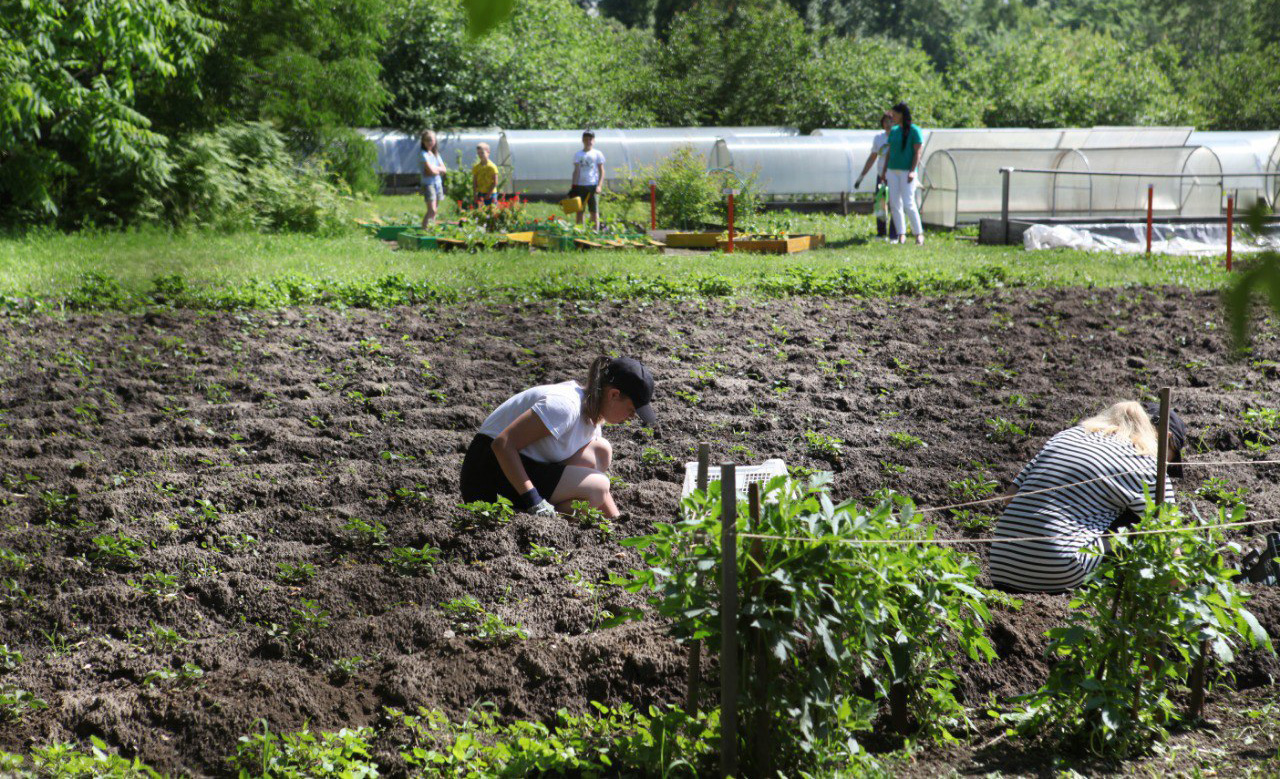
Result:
[
  {"x": 542, "y": 449},
  {"x": 1109, "y": 461}
]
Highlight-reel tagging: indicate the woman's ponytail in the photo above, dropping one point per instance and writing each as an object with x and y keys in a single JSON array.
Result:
[
  {"x": 593, "y": 395},
  {"x": 905, "y": 112}
]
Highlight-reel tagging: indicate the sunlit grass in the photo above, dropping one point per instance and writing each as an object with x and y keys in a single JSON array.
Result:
[{"x": 48, "y": 263}]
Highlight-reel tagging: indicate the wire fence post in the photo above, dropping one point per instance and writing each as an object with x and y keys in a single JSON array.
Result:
[
  {"x": 1005, "y": 175},
  {"x": 695, "y": 647},
  {"x": 1231, "y": 203},
  {"x": 728, "y": 621}
]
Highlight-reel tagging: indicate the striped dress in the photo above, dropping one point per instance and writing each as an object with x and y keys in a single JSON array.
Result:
[{"x": 1070, "y": 520}]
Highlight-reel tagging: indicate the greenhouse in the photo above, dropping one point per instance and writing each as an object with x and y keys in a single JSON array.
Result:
[
  {"x": 1242, "y": 154},
  {"x": 399, "y": 154},
  {"x": 861, "y": 141},
  {"x": 806, "y": 165},
  {"x": 540, "y": 162}
]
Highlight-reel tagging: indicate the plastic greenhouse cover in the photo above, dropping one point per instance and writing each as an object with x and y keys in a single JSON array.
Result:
[
  {"x": 803, "y": 165},
  {"x": 398, "y": 152},
  {"x": 541, "y": 161},
  {"x": 1131, "y": 238}
]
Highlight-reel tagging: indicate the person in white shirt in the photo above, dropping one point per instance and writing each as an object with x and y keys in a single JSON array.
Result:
[
  {"x": 588, "y": 177},
  {"x": 542, "y": 449},
  {"x": 433, "y": 171},
  {"x": 879, "y": 152}
]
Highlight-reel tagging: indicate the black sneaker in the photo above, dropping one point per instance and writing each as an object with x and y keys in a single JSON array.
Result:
[{"x": 1263, "y": 566}]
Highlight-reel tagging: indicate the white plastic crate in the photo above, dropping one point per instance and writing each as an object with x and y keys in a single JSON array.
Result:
[{"x": 744, "y": 475}]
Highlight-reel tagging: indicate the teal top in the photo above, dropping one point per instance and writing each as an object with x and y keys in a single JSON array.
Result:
[{"x": 900, "y": 158}]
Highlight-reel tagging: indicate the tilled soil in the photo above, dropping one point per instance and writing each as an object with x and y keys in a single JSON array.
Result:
[{"x": 233, "y": 443}]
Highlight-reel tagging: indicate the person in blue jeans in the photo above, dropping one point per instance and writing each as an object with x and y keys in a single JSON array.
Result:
[{"x": 433, "y": 171}]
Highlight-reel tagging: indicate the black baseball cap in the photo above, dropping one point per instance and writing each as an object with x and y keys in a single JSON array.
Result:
[
  {"x": 1177, "y": 431},
  {"x": 633, "y": 380},
  {"x": 591, "y": 133}
]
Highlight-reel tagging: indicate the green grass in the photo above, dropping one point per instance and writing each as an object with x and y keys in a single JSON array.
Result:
[{"x": 48, "y": 265}]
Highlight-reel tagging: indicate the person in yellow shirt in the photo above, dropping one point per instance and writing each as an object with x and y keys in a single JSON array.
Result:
[{"x": 484, "y": 177}]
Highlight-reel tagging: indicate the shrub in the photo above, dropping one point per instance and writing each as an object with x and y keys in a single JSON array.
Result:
[
  {"x": 689, "y": 195},
  {"x": 1136, "y": 629},
  {"x": 821, "y": 618},
  {"x": 241, "y": 176}
]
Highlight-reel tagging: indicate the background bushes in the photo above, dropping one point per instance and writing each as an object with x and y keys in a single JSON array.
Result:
[{"x": 100, "y": 102}]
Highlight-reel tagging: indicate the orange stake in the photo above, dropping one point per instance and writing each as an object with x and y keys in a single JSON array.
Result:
[{"x": 653, "y": 205}]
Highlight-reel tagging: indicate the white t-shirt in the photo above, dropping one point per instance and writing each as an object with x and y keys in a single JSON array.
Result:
[
  {"x": 587, "y": 163},
  {"x": 879, "y": 145},
  {"x": 559, "y": 406}
]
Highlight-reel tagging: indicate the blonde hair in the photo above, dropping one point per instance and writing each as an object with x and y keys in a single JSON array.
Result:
[
  {"x": 1127, "y": 420},
  {"x": 422, "y": 139},
  {"x": 482, "y": 145}
]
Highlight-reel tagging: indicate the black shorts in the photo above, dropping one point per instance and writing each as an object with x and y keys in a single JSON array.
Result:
[
  {"x": 483, "y": 479},
  {"x": 486, "y": 200},
  {"x": 588, "y": 195}
]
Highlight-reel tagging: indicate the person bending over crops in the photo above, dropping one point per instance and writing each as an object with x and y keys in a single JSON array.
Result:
[
  {"x": 1087, "y": 480},
  {"x": 542, "y": 449},
  {"x": 433, "y": 171}
]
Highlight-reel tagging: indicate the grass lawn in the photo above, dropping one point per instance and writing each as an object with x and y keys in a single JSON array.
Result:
[{"x": 47, "y": 265}]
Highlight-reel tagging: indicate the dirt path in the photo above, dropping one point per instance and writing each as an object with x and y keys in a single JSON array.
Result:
[{"x": 229, "y": 444}]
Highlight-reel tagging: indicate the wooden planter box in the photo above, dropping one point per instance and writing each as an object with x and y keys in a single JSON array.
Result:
[
  {"x": 555, "y": 243},
  {"x": 791, "y": 245},
  {"x": 522, "y": 237},
  {"x": 692, "y": 240}
]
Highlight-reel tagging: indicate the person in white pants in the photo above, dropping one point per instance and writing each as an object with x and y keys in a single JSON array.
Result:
[{"x": 905, "y": 145}]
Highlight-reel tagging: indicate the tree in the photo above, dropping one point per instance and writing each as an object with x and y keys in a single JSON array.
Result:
[
  {"x": 551, "y": 65},
  {"x": 73, "y": 145},
  {"x": 1070, "y": 79}
]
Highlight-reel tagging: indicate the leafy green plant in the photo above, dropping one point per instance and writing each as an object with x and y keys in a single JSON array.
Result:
[
  {"x": 655, "y": 457},
  {"x": 10, "y": 659},
  {"x": 344, "y": 668},
  {"x": 60, "y": 507},
  {"x": 543, "y": 555},
  {"x": 407, "y": 561},
  {"x": 186, "y": 676},
  {"x": 1262, "y": 429},
  {"x": 157, "y": 584},
  {"x": 1218, "y": 491},
  {"x": 588, "y": 516},
  {"x": 119, "y": 549},
  {"x": 823, "y": 447},
  {"x": 1003, "y": 430},
  {"x": 295, "y": 574},
  {"x": 364, "y": 535},
  {"x": 469, "y": 618},
  {"x": 823, "y": 617},
  {"x": 906, "y": 441},
  {"x": 65, "y": 761},
  {"x": 16, "y": 703},
  {"x": 303, "y": 753},
  {"x": 974, "y": 488},
  {"x": 603, "y": 741},
  {"x": 488, "y": 515},
  {"x": 1135, "y": 631},
  {"x": 595, "y": 596}
]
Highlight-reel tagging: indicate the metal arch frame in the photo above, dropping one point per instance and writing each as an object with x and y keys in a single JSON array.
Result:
[
  {"x": 929, "y": 188},
  {"x": 1057, "y": 164}
]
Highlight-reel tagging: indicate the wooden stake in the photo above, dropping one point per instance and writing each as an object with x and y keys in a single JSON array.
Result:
[
  {"x": 1162, "y": 446},
  {"x": 653, "y": 205},
  {"x": 1195, "y": 707},
  {"x": 728, "y": 621},
  {"x": 760, "y": 672},
  {"x": 695, "y": 647}
]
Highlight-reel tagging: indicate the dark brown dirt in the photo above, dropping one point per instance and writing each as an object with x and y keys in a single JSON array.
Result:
[{"x": 232, "y": 443}]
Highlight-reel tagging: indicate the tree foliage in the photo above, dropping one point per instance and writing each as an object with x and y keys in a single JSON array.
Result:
[{"x": 72, "y": 143}]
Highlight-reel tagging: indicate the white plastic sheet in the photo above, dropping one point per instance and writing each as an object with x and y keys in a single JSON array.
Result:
[{"x": 1131, "y": 238}]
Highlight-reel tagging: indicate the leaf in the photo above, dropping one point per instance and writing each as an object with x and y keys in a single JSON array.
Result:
[{"x": 484, "y": 15}]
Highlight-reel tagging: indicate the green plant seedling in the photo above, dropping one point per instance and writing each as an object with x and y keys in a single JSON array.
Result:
[
  {"x": 823, "y": 447},
  {"x": 655, "y": 457},
  {"x": 1218, "y": 491},
  {"x": 407, "y": 561},
  {"x": 543, "y": 555},
  {"x": 16, "y": 704},
  {"x": 343, "y": 668},
  {"x": 10, "y": 659},
  {"x": 906, "y": 441},
  {"x": 1003, "y": 430},
  {"x": 295, "y": 574},
  {"x": 119, "y": 550},
  {"x": 974, "y": 488},
  {"x": 157, "y": 584},
  {"x": 488, "y": 515},
  {"x": 364, "y": 535},
  {"x": 590, "y": 517}
]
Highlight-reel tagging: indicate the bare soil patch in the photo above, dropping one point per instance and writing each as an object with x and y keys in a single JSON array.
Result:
[{"x": 232, "y": 443}]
